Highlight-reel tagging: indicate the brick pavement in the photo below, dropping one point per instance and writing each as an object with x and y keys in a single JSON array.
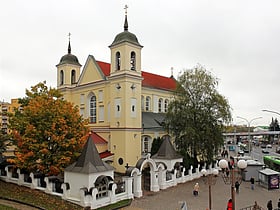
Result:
[{"x": 171, "y": 199}]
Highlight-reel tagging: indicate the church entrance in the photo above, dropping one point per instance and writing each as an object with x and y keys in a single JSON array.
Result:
[{"x": 146, "y": 179}]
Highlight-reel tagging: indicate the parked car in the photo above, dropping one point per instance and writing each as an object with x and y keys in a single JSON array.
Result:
[
  {"x": 265, "y": 151},
  {"x": 263, "y": 146},
  {"x": 269, "y": 146}
]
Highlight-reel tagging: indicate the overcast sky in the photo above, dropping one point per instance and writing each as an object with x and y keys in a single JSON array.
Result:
[{"x": 238, "y": 41}]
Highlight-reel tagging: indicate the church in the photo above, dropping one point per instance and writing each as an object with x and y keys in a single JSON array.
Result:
[{"x": 124, "y": 105}]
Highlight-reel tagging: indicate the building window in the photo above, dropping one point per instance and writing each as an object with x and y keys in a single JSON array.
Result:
[
  {"x": 73, "y": 76},
  {"x": 82, "y": 112},
  {"x": 101, "y": 185},
  {"x": 92, "y": 109},
  {"x": 132, "y": 61},
  {"x": 148, "y": 103},
  {"x": 100, "y": 95},
  {"x": 146, "y": 144},
  {"x": 61, "y": 77},
  {"x": 160, "y": 105},
  {"x": 166, "y": 102},
  {"x": 82, "y": 99},
  {"x": 118, "y": 61},
  {"x": 101, "y": 114}
]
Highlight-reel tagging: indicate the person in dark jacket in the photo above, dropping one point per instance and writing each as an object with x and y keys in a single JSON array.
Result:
[
  {"x": 237, "y": 186},
  {"x": 269, "y": 205}
]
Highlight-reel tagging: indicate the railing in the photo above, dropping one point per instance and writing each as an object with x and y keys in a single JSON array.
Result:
[{"x": 253, "y": 208}]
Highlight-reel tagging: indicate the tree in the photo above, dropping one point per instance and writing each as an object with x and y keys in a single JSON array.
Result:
[
  {"x": 274, "y": 126},
  {"x": 156, "y": 145},
  {"x": 196, "y": 115},
  {"x": 49, "y": 131}
]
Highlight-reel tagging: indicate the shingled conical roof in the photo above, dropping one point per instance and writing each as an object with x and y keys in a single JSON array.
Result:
[
  {"x": 89, "y": 161},
  {"x": 166, "y": 151}
]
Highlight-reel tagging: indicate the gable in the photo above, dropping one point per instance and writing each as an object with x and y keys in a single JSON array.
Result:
[{"x": 91, "y": 72}]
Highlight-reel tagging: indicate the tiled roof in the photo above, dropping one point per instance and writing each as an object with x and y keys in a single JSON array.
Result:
[
  {"x": 149, "y": 80},
  {"x": 89, "y": 161},
  {"x": 166, "y": 151},
  {"x": 105, "y": 154},
  {"x": 97, "y": 139}
]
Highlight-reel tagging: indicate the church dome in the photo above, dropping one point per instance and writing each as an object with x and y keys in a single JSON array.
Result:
[
  {"x": 69, "y": 58},
  {"x": 125, "y": 36}
]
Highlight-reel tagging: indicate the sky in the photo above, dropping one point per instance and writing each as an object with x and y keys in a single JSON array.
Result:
[{"x": 237, "y": 41}]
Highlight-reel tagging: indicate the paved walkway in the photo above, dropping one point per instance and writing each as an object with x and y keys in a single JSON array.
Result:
[{"x": 171, "y": 198}]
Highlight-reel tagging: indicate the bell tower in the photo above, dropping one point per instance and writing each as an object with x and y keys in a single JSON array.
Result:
[
  {"x": 125, "y": 88},
  {"x": 68, "y": 69}
]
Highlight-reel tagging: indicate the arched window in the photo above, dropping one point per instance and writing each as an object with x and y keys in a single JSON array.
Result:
[
  {"x": 148, "y": 103},
  {"x": 166, "y": 102},
  {"x": 61, "y": 77},
  {"x": 160, "y": 105},
  {"x": 132, "y": 61},
  {"x": 73, "y": 76},
  {"x": 118, "y": 61},
  {"x": 92, "y": 109}
]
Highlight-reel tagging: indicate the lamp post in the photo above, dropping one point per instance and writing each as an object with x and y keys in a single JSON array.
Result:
[
  {"x": 210, "y": 179},
  {"x": 234, "y": 176},
  {"x": 249, "y": 122}
]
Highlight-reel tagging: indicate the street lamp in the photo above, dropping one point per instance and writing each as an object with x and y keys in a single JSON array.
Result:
[
  {"x": 210, "y": 179},
  {"x": 235, "y": 175},
  {"x": 249, "y": 122}
]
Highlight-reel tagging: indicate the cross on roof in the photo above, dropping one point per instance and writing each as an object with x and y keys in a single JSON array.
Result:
[{"x": 125, "y": 8}]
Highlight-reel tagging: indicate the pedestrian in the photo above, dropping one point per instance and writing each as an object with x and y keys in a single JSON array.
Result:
[
  {"x": 227, "y": 172},
  {"x": 278, "y": 205},
  {"x": 237, "y": 186},
  {"x": 196, "y": 189},
  {"x": 269, "y": 205},
  {"x": 256, "y": 206},
  {"x": 229, "y": 204},
  {"x": 252, "y": 180}
]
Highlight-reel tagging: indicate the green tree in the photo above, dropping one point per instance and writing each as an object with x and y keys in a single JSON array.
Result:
[
  {"x": 156, "y": 145},
  {"x": 196, "y": 115},
  {"x": 49, "y": 131}
]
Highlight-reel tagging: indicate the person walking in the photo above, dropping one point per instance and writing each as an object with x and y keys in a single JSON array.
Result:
[
  {"x": 196, "y": 189},
  {"x": 229, "y": 204},
  {"x": 256, "y": 206},
  {"x": 252, "y": 181},
  {"x": 237, "y": 186},
  {"x": 278, "y": 204},
  {"x": 269, "y": 205}
]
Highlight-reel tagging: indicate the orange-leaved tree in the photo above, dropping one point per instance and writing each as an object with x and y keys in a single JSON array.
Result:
[{"x": 48, "y": 130}]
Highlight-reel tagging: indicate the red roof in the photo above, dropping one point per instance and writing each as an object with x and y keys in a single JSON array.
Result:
[
  {"x": 97, "y": 139},
  {"x": 149, "y": 80},
  {"x": 105, "y": 154}
]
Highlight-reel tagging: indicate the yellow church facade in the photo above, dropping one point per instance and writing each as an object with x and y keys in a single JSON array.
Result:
[{"x": 123, "y": 104}]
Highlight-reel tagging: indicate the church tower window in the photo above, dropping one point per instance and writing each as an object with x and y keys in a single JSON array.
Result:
[
  {"x": 160, "y": 105},
  {"x": 166, "y": 102},
  {"x": 118, "y": 61},
  {"x": 132, "y": 61},
  {"x": 73, "y": 76},
  {"x": 92, "y": 109},
  {"x": 61, "y": 77}
]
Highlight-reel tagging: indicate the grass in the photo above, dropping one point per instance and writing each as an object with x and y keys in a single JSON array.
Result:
[
  {"x": 34, "y": 197},
  {"x": 2, "y": 207},
  {"x": 43, "y": 200}
]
